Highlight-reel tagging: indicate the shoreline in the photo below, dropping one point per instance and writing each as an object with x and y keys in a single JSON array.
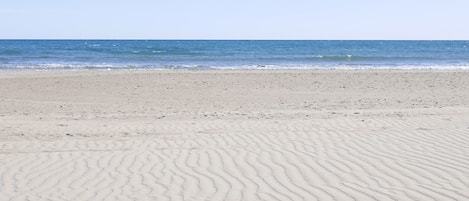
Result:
[
  {"x": 241, "y": 68},
  {"x": 136, "y": 71}
]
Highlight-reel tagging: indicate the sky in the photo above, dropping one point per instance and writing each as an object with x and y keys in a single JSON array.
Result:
[{"x": 235, "y": 19}]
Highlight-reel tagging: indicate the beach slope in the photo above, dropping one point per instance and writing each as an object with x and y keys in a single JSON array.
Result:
[{"x": 234, "y": 135}]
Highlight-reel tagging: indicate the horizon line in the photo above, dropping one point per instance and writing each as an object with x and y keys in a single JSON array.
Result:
[{"x": 185, "y": 39}]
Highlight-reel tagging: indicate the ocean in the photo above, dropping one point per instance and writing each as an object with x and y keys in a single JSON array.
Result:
[{"x": 231, "y": 54}]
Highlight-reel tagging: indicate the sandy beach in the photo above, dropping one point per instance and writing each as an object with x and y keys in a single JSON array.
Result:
[{"x": 234, "y": 135}]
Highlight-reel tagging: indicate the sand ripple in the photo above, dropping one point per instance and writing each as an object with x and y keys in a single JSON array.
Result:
[{"x": 340, "y": 159}]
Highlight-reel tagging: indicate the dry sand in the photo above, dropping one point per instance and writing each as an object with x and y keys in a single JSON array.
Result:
[{"x": 234, "y": 135}]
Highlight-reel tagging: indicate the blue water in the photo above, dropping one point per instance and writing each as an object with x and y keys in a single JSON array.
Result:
[{"x": 208, "y": 54}]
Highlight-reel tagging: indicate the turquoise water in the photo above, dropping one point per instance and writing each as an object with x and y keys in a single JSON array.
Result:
[{"x": 218, "y": 54}]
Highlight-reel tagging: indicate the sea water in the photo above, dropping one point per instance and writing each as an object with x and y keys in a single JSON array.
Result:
[{"x": 231, "y": 54}]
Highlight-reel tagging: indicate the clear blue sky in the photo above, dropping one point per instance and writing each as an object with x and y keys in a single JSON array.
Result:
[{"x": 234, "y": 19}]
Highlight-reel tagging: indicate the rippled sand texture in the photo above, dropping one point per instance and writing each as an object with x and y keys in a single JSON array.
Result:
[{"x": 234, "y": 135}]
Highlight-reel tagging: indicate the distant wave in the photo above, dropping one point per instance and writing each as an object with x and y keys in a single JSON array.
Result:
[
  {"x": 366, "y": 58},
  {"x": 10, "y": 52}
]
